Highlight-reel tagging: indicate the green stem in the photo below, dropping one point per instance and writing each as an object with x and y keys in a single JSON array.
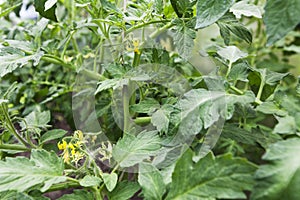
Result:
[
  {"x": 145, "y": 24},
  {"x": 158, "y": 32},
  {"x": 56, "y": 60},
  {"x": 261, "y": 88},
  {"x": 62, "y": 186},
  {"x": 126, "y": 114},
  {"x": 229, "y": 69},
  {"x": 236, "y": 89},
  {"x": 10, "y": 126},
  {"x": 142, "y": 120},
  {"x": 97, "y": 193},
  {"x": 14, "y": 147}
]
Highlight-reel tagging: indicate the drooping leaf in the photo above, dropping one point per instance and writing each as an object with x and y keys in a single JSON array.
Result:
[
  {"x": 244, "y": 8},
  {"x": 231, "y": 53},
  {"x": 110, "y": 180},
  {"x": 222, "y": 177},
  {"x": 89, "y": 181},
  {"x": 45, "y": 10},
  {"x": 208, "y": 12},
  {"x": 78, "y": 194},
  {"x": 151, "y": 181},
  {"x": 229, "y": 25},
  {"x": 279, "y": 178},
  {"x": 131, "y": 150},
  {"x": 280, "y": 18},
  {"x": 12, "y": 58},
  {"x": 52, "y": 135},
  {"x": 124, "y": 191},
  {"x": 44, "y": 168}
]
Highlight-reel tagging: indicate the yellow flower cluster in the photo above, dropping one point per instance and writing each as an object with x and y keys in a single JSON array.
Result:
[
  {"x": 135, "y": 44},
  {"x": 72, "y": 150}
]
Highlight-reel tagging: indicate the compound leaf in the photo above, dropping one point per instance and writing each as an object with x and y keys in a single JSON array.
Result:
[
  {"x": 12, "y": 58},
  {"x": 151, "y": 181},
  {"x": 279, "y": 179},
  {"x": 222, "y": 177},
  {"x": 280, "y": 18},
  {"x": 43, "y": 168},
  {"x": 131, "y": 150},
  {"x": 208, "y": 12}
]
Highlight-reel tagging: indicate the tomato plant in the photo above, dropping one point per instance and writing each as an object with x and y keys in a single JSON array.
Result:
[{"x": 149, "y": 99}]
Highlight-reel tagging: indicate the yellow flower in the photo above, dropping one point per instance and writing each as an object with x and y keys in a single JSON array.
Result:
[
  {"x": 135, "y": 44},
  {"x": 71, "y": 146},
  {"x": 76, "y": 156},
  {"x": 62, "y": 146},
  {"x": 79, "y": 135},
  {"x": 66, "y": 156}
]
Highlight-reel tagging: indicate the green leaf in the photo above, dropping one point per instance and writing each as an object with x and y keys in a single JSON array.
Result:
[
  {"x": 12, "y": 58},
  {"x": 228, "y": 24},
  {"x": 78, "y": 195},
  {"x": 244, "y": 8},
  {"x": 147, "y": 105},
  {"x": 43, "y": 168},
  {"x": 110, "y": 180},
  {"x": 280, "y": 18},
  {"x": 183, "y": 8},
  {"x": 131, "y": 150},
  {"x": 200, "y": 107},
  {"x": 89, "y": 181},
  {"x": 223, "y": 177},
  {"x": 8, "y": 10},
  {"x": 279, "y": 178},
  {"x": 13, "y": 195},
  {"x": 160, "y": 119},
  {"x": 270, "y": 77},
  {"x": 184, "y": 39},
  {"x": 286, "y": 125},
  {"x": 253, "y": 137},
  {"x": 124, "y": 191},
  {"x": 107, "y": 84},
  {"x": 208, "y": 12},
  {"x": 239, "y": 72},
  {"x": 52, "y": 135},
  {"x": 37, "y": 119},
  {"x": 270, "y": 108},
  {"x": 151, "y": 181},
  {"x": 49, "y": 4},
  {"x": 44, "y": 10},
  {"x": 231, "y": 53}
]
